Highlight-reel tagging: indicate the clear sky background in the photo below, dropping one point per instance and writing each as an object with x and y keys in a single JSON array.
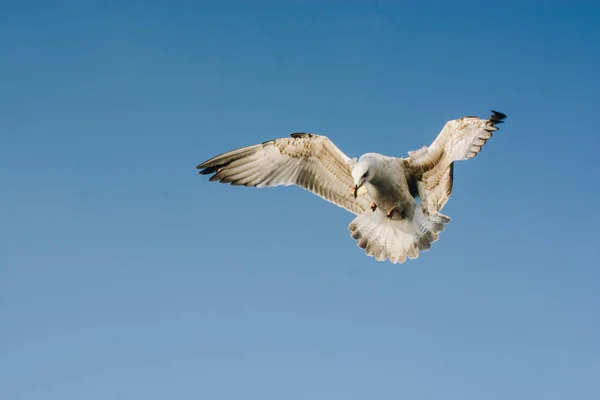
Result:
[{"x": 125, "y": 275}]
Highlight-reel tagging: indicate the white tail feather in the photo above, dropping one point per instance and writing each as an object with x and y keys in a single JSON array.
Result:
[{"x": 396, "y": 240}]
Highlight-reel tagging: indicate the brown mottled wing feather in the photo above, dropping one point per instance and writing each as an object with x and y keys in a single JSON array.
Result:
[
  {"x": 460, "y": 139},
  {"x": 310, "y": 161},
  {"x": 438, "y": 195}
]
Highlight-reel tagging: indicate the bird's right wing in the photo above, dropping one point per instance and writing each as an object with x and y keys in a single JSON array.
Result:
[
  {"x": 460, "y": 139},
  {"x": 310, "y": 161}
]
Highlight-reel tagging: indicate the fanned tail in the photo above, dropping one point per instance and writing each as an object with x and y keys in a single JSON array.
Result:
[{"x": 396, "y": 240}]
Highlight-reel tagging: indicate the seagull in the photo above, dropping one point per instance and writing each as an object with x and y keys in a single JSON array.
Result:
[{"x": 396, "y": 200}]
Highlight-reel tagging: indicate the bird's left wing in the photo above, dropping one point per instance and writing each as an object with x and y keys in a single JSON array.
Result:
[
  {"x": 310, "y": 161},
  {"x": 460, "y": 139}
]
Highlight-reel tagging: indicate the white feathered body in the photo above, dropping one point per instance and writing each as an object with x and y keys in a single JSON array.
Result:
[
  {"x": 407, "y": 231},
  {"x": 389, "y": 188}
]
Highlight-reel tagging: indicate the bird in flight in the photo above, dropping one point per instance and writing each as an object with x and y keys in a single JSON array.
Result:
[{"x": 397, "y": 201}]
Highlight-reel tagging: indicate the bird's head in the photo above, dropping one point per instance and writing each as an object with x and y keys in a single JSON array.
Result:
[{"x": 361, "y": 173}]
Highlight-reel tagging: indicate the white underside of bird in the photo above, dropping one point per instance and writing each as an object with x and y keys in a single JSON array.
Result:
[{"x": 398, "y": 201}]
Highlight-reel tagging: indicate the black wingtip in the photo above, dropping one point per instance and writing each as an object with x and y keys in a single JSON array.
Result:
[
  {"x": 298, "y": 135},
  {"x": 497, "y": 117},
  {"x": 207, "y": 171},
  {"x": 211, "y": 169},
  {"x": 203, "y": 169}
]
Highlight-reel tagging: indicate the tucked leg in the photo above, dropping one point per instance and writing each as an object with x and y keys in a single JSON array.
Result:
[{"x": 394, "y": 210}]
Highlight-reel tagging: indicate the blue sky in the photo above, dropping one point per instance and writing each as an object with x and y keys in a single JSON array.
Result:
[{"x": 124, "y": 274}]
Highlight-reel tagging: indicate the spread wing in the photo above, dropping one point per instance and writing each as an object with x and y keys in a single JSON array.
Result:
[
  {"x": 460, "y": 139},
  {"x": 310, "y": 161}
]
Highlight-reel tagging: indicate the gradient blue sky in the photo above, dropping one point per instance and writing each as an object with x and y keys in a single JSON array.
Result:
[{"x": 124, "y": 274}]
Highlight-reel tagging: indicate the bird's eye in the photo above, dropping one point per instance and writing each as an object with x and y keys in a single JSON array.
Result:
[{"x": 365, "y": 174}]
